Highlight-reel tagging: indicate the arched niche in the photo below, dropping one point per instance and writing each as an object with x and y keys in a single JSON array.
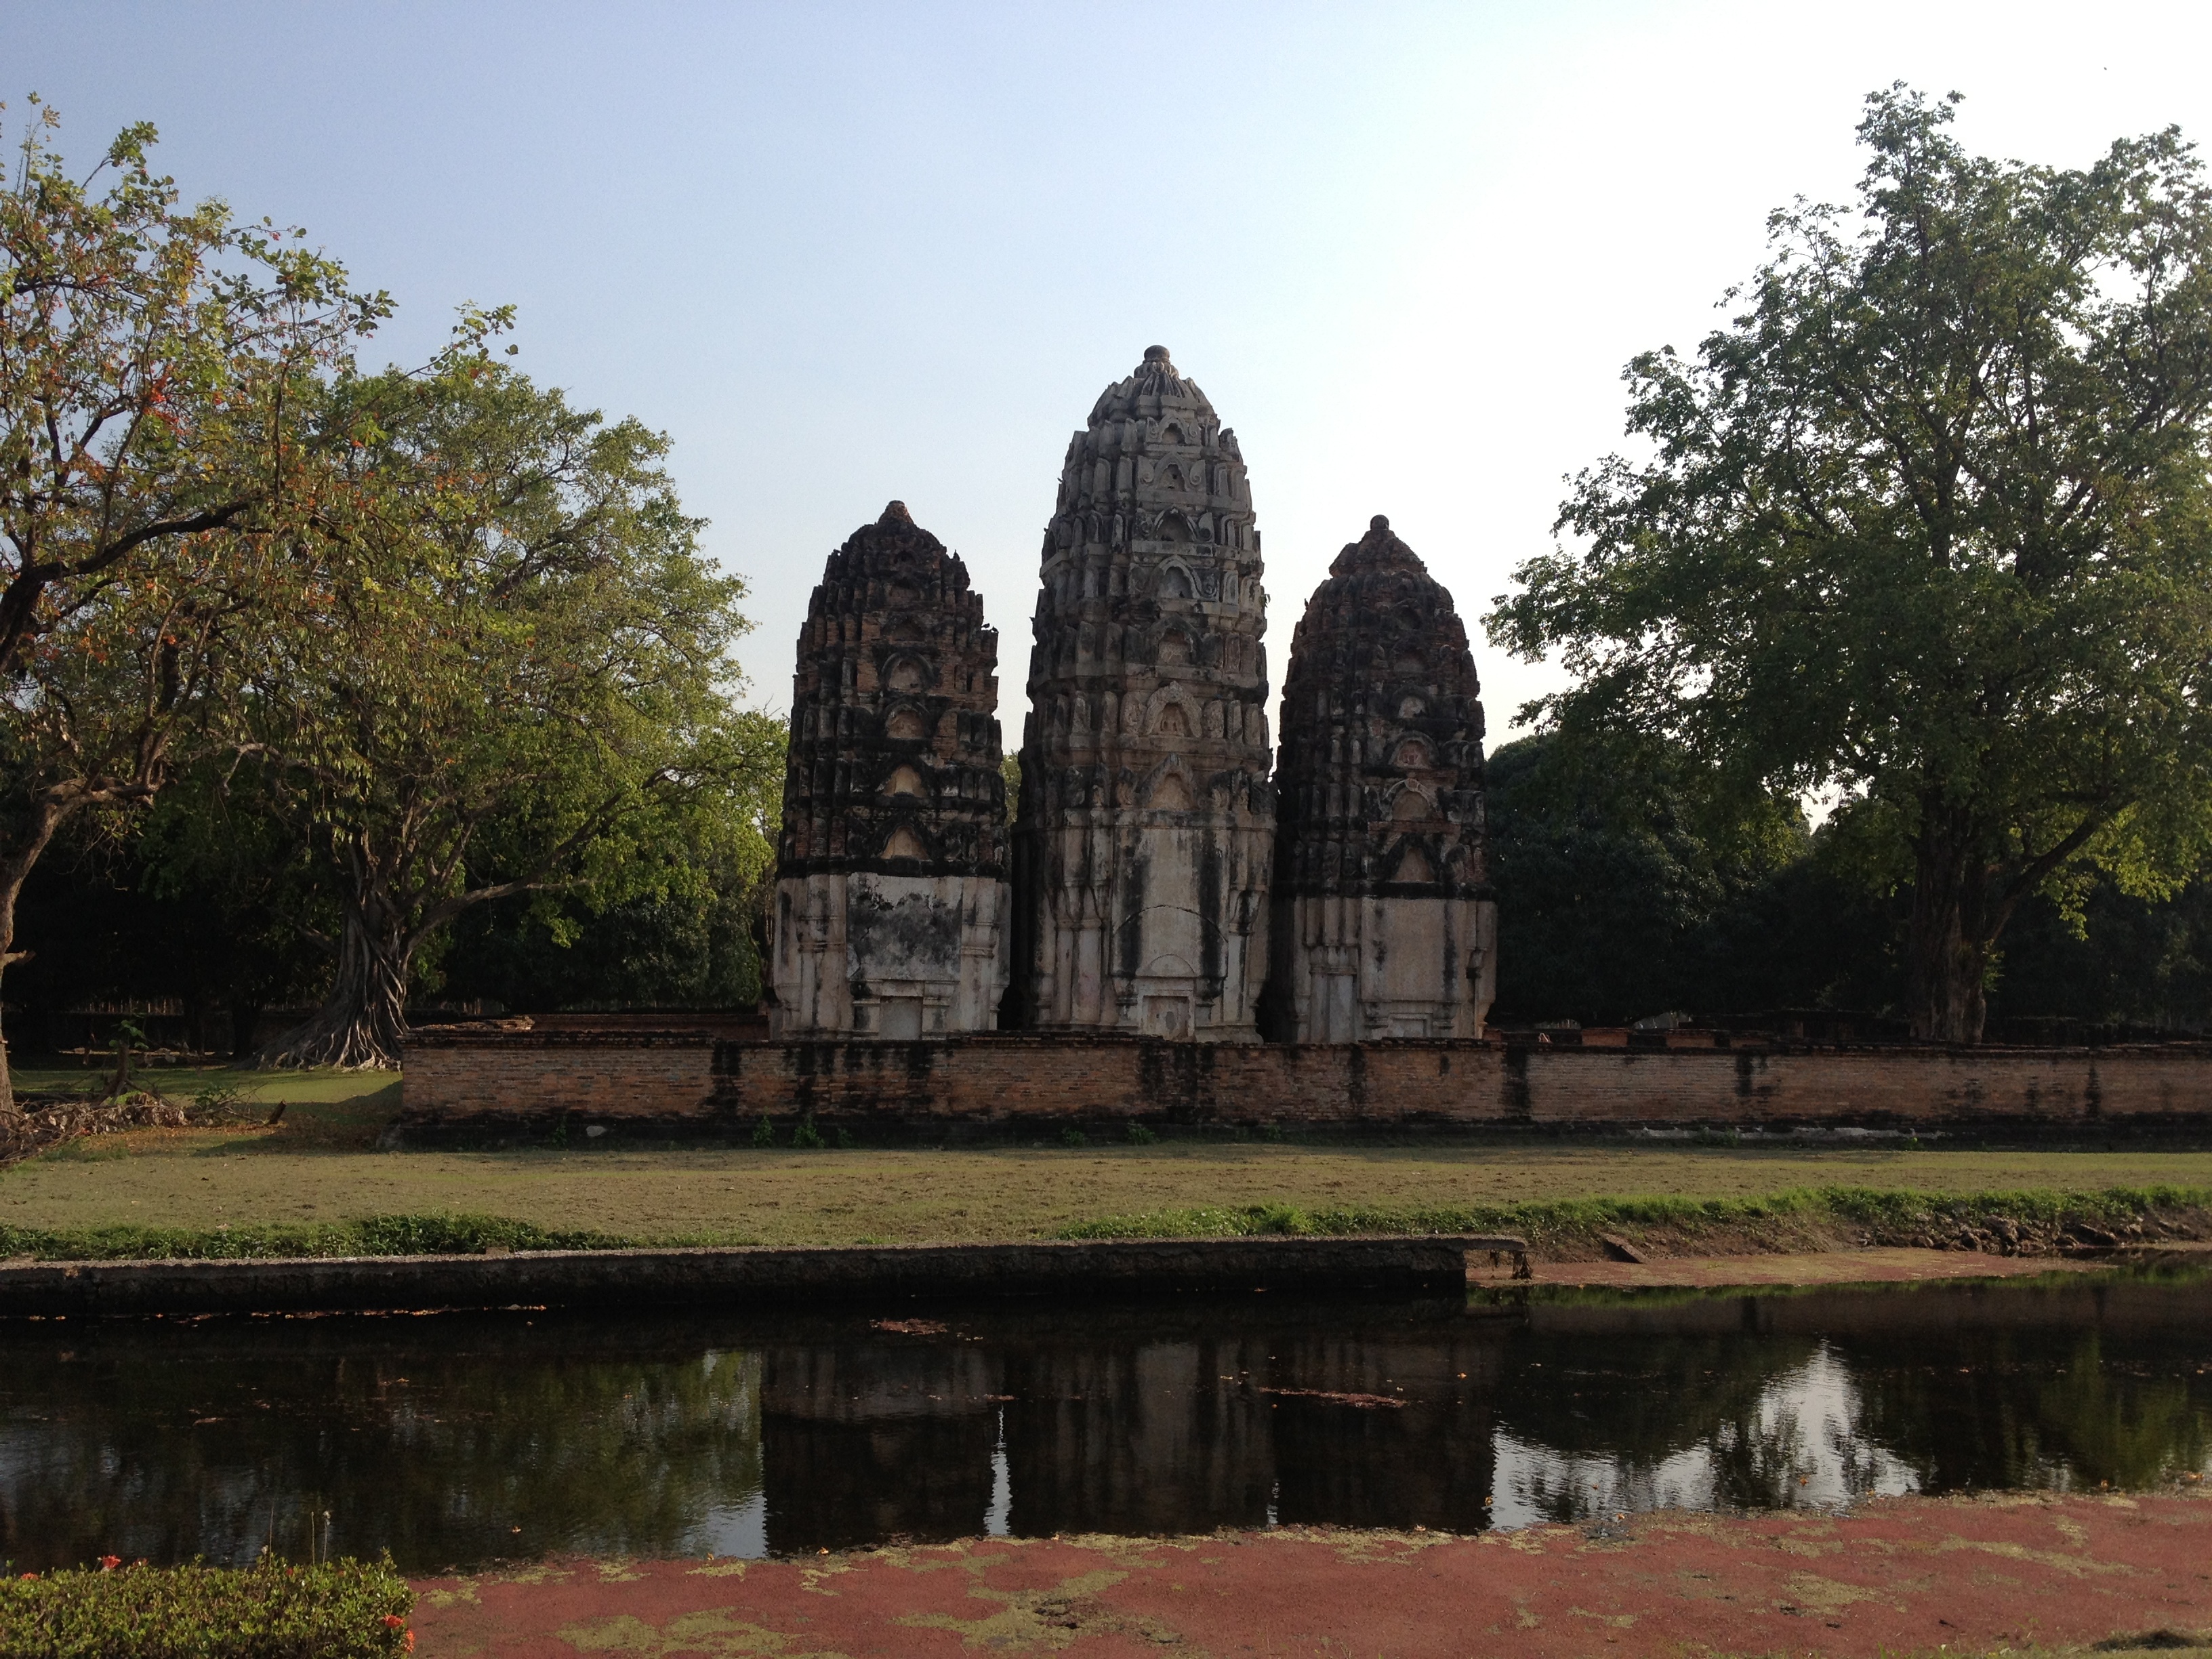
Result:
[
  {"x": 906, "y": 724},
  {"x": 905, "y": 781},
  {"x": 905, "y": 844}
]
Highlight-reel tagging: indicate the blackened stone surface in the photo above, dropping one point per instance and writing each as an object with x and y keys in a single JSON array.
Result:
[
  {"x": 1383, "y": 923},
  {"x": 891, "y": 873}
]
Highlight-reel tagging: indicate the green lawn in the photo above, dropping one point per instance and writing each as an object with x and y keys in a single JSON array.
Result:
[{"x": 318, "y": 1166}]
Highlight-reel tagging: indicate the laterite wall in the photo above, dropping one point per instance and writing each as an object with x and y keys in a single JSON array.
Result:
[{"x": 451, "y": 1077}]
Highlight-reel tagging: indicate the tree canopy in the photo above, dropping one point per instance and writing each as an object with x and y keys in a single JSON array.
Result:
[
  {"x": 1928, "y": 524},
  {"x": 509, "y": 655},
  {"x": 152, "y": 361}
]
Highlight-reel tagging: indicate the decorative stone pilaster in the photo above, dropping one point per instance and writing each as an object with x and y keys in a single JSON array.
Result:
[
  {"x": 1383, "y": 921},
  {"x": 1146, "y": 821},
  {"x": 891, "y": 902}
]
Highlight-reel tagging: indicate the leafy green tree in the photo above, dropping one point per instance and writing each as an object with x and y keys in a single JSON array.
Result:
[
  {"x": 1629, "y": 884},
  {"x": 150, "y": 359},
  {"x": 1929, "y": 523},
  {"x": 510, "y": 655},
  {"x": 678, "y": 931}
]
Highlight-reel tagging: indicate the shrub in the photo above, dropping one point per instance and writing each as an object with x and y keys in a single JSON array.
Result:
[
  {"x": 1073, "y": 1138},
  {"x": 344, "y": 1609},
  {"x": 807, "y": 1138},
  {"x": 764, "y": 1132},
  {"x": 1140, "y": 1136}
]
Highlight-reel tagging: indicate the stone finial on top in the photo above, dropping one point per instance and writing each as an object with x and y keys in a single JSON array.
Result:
[
  {"x": 895, "y": 512},
  {"x": 1378, "y": 550},
  {"x": 1158, "y": 355}
]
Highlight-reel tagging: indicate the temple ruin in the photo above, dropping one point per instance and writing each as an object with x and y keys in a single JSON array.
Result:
[
  {"x": 891, "y": 902},
  {"x": 1382, "y": 923},
  {"x": 1145, "y": 838}
]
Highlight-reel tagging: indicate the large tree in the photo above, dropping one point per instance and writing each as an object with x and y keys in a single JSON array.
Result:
[
  {"x": 150, "y": 360},
  {"x": 1928, "y": 523},
  {"x": 511, "y": 653}
]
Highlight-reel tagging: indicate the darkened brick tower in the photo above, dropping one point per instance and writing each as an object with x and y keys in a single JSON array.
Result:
[
  {"x": 1144, "y": 842},
  {"x": 1383, "y": 923},
  {"x": 891, "y": 899}
]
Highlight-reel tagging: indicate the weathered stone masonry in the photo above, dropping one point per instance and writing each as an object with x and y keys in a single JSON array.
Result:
[
  {"x": 1383, "y": 923},
  {"x": 891, "y": 900},
  {"x": 1145, "y": 831}
]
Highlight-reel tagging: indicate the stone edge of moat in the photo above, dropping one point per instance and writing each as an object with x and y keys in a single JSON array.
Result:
[{"x": 739, "y": 1276}]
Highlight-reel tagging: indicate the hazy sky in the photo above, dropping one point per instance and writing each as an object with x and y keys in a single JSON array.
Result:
[{"x": 848, "y": 252}]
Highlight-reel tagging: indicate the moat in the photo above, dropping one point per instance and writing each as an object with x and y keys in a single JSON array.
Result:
[{"x": 459, "y": 1439}]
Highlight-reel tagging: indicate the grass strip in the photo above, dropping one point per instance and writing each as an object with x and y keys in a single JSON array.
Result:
[
  {"x": 342, "y": 1609},
  {"x": 1876, "y": 1215},
  {"x": 380, "y": 1235},
  {"x": 1886, "y": 1213}
]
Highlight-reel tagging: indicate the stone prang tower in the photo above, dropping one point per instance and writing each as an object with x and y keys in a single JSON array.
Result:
[
  {"x": 1383, "y": 922},
  {"x": 891, "y": 903},
  {"x": 1147, "y": 822}
]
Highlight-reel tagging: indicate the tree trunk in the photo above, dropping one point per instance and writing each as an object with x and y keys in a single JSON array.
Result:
[
  {"x": 37, "y": 833},
  {"x": 1947, "y": 945},
  {"x": 363, "y": 1021}
]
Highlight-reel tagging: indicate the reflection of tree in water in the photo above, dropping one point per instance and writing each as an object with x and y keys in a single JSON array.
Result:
[
  {"x": 166, "y": 1450},
  {"x": 2032, "y": 1408},
  {"x": 1631, "y": 1405}
]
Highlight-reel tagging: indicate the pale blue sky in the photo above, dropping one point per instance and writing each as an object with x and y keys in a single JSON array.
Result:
[{"x": 846, "y": 252}]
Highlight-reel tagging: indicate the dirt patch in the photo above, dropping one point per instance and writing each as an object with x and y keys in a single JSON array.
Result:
[
  {"x": 1876, "y": 1265},
  {"x": 2045, "y": 1574}
]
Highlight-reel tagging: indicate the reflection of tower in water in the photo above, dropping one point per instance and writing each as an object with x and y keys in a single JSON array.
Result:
[{"x": 863, "y": 1442}]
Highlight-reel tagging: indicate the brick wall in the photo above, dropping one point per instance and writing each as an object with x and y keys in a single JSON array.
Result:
[{"x": 1055, "y": 1082}]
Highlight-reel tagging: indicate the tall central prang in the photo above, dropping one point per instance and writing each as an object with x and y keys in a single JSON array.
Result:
[{"x": 1146, "y": 827}]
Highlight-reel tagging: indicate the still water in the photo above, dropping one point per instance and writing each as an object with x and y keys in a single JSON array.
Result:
[{"x": 459, "y": 1439}]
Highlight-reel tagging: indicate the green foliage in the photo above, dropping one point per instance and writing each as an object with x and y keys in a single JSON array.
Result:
[
  {"x": 1926, "y": 525},
  {"x": 764, "y": 1131},
  {"x": 344, "y": 1609},
  {"x": 1073, "y": 1138},
  {"x": 152, "y": 361},
  {"x": 1630, "y": 881},
  {"x": 507, "y": 673},
  {"x": 1138, "y": 1135},
  {"x": 807, "y": 1138}
]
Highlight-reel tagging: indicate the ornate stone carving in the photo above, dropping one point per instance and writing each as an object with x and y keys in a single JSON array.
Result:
[
  {"x": 1144, "y": 840},
  {"x": 891, "y": 902},
  {"x": 1384, "y": 924}
]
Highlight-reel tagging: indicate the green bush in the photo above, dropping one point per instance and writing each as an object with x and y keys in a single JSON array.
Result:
[
  {"x": 1140, "y": 1136},
  {"x": 807, "y": 1138},
  {"x": 764, "y": 1131},
  {"x": 344, "y": 1609},
  {"x": 1073, "y": 1138}
]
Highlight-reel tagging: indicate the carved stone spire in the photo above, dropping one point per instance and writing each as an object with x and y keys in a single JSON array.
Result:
[
  {"x": 1383, "y": 923},
  {"x": 892, "y": 899},
  {"x": 1142, "y": 847}
]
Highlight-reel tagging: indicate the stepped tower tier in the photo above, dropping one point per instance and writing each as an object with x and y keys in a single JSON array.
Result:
[
  {"x": 1383, "y": 922},
  {"x": 892, "y": 901},
  {"x": 1146, "y": 820}
]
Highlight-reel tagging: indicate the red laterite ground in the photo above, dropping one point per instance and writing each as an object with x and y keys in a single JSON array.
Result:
[{"x": 1910, "y": 1575}]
